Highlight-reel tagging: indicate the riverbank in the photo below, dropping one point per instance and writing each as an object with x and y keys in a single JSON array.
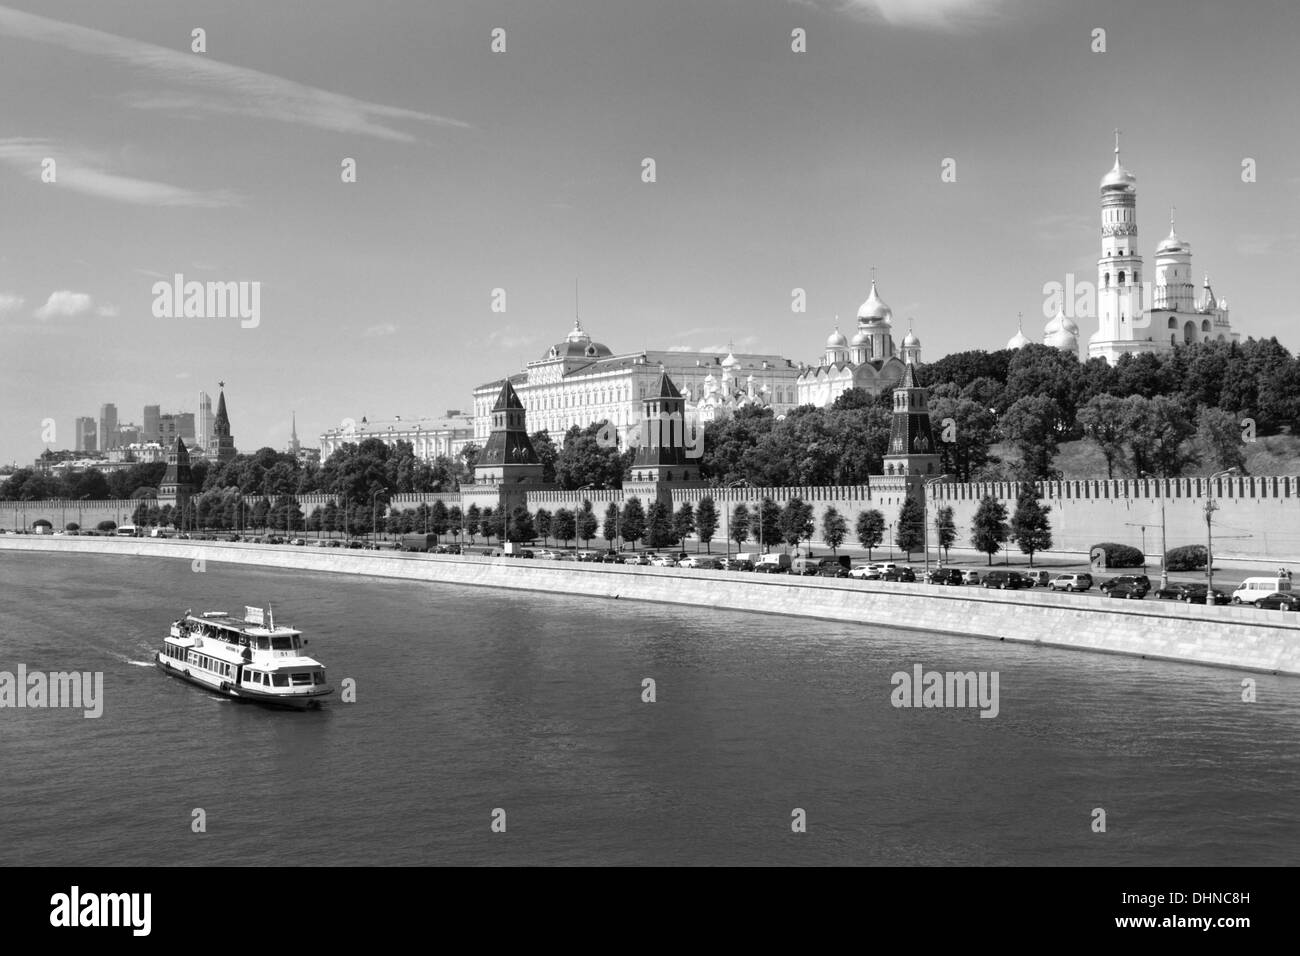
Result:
[{"x": 1241, "y": 638}]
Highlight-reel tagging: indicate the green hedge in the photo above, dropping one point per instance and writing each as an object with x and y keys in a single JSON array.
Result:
[
  {"x": 1120, "y": 555},
  {"x": 1190, "y": 557}
]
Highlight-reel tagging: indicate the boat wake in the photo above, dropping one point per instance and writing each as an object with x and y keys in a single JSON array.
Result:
[{"x": 141, "y": 663}]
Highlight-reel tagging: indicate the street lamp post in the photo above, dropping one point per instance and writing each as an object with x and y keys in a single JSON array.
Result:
[
  {"x": 374, "y": 518},
  {"x": 925, "y": 518},
  {"x": 1164, "y": 570},
  {"x": 726, "y": 512},
  {"x": 891, "y": 541},
  {"x": 1211, "y": 506}
]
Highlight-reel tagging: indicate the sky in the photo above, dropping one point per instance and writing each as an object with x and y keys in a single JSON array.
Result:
[{"x": 522, "y": 170}]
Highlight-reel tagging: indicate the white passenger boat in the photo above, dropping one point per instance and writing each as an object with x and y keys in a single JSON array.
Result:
[{"x": 249, "y": 659}]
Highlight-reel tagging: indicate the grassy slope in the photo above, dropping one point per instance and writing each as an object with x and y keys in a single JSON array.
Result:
[{"x": 1274, "y": 455}]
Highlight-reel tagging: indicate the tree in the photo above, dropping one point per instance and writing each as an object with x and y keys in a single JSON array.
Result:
[
  {"x": 587, "y": 523},
  {"x": 766, "y": 521},
  {"x": 610, "y": 528},
  {"x": 946, "y": 528},
  {"x": 633, "y": 520},
  {"x": 472, "y": 517},
  {"x": 1158, "y": 431},
  {"x": 438, "y": 518},
  {"x": 1102, "y": 420},
  {"x": 740, "y": 524},
  {"x": 706, "y": 521},
  {"x": 989, "y": 527},
  {"x": 72, "y": 526},
  {"x": 1030, "y": 528},
  {"x": 684, "y": 522},
  {"x": 140, "y": 515},
  {"x": 108, "y": 525},
  {"x": 489, "y": 524},
  {"x": 455, "y": 521},
  {"x": 659, "y": 526},
  {"x": 565, "y": 526},
  {"x": 1031, "y": 425},
  {"x": 909, "y": 535},
  {"x": 870, "y": 530},
  {"x": 1219, "y": 434},
  {"x": 521, "y": 525},
  {"x": 261, "y": 513},
  {"x": 546, "y": 454},
  {"x": 544, "y": 524},
  {"x": 587, "y": 458},
  {"x": 796, "y": 521},
  {"x": 834, "y": 529}
]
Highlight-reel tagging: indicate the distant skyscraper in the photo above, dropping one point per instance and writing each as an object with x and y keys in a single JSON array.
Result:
[
  {"x": 85, "y": 434},
  {"x": 150, "y": 431},
  {"x": 175, "y": 425},
  {"x": 107, "y": 427},
  {"x": 225, "y": 449},
  {"x": 205, "y": 423}
]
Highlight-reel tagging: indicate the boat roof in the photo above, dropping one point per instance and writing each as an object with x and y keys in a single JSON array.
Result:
[{"x": 229, "y": 621}]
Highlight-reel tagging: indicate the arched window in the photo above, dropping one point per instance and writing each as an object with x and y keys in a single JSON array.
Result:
[
  {"x": 1189, "y": 332},
  {"x": 1172, "y": 338},
  {"x": 1205, "y": 326},
  {"x": 1120, "y": 278},
  {"x": 1173, "y": 322},
  {"x": 1106, "y": 279}
]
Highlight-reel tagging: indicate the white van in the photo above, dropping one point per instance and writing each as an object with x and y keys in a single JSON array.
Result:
[{"x": 1252, "y": 589}]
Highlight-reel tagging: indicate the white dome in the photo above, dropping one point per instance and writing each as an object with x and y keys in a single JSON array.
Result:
[
  {"x": 1119, "y": 178},
  {"x": 874, "y": 308},
  {"x": 730, "y": 361},
  {"x": 1061, "y": 323},
  {"x": 861, "y": 337},
  {"x": 836, "y": 340},
  {"x": 910, "y": 340},
  {"x": 1017, "y": 341},
  {"x": 1063, "y": 340},
  {"x": 1171, "y": 243}
]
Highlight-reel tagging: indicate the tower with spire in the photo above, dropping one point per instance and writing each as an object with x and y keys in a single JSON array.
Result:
[
  {"x": 177, "y": 485},
  {"x": 912, "y": 452},
  {"x": 662, "y": 453},
  {"x": 294, "y": 446},
  {"x": 221, "y": 437},
  {"x": 508, "y": 457}
]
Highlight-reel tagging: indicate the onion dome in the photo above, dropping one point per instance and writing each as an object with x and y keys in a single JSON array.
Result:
[
  {"x": 910, "y": 340},
  {"x": 874, "y": 309},
  {"x": 1018, "y": 341},
  {"x": 1062, "y": 333},
  {"x": 1118, "y": 179},
  {"x": 861, "y": 338},
  {"x": 730, "y": 361},
  {"x": 1062, "y": 323},
  {"x": 1171, "y": 243},
  {"x": 836, "y": 340}
]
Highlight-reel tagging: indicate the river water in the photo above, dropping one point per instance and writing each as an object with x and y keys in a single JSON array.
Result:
[{"x": 471, "y": 701}]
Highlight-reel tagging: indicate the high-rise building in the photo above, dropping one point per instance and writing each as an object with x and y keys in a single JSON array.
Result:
[
  {"x": 175, "y": 425},
  {"x": 84, "y": 432},
  {"x": 150, "y": 431},
  {"x": 107, "y": 427},
  {"x": 204, "y": 423}
]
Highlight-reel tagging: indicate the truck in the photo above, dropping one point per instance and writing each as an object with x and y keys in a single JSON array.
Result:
[
  {"x": 773, "y": 563},
  {"x": 419, "y": 542}
]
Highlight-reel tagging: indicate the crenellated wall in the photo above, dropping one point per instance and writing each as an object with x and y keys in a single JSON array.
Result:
[{"x": 1256, "y": 516}]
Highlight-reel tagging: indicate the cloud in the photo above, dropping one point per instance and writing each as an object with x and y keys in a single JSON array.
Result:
[
  {"x": 10, "y": 302},
  {"x": 108, "y": 311},
  {"x": 915, "y": 14},
  {"x": 66, "y": 304},
  {"x": 1250, "y": 244},
  {"x": 509, "y": 337},
  {"x": 75, "y": 170},
  {"x": 383, "y": 328},
  {"x": 211, "y": 86}
]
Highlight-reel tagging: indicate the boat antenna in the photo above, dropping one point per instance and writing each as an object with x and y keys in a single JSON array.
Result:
[{"x": 270, "y": 613}]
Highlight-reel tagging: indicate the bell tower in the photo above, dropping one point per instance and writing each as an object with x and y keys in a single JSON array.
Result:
[
  {"x": 1121, "y": 322},
  {"x": 912, "y": 452}
]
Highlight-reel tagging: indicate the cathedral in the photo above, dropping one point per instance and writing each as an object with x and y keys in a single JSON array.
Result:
[{"x": 868, "y": 361}]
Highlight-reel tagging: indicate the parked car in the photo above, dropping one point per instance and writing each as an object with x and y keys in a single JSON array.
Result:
[
  {"x": 773, "y": 563},
  {"x": 945, "y": 576},
  {"x": 1129, "y": 590},
  {"x": 707, "y": 564},
  {"x": 336, "y": 544},
  {"x": 357, "y": 544},
  {"x": 614, "y": 557},
  {"x": 1279, "y": 601},
  {"x": 865, "y": 572},
  {"x": 1040, "y": 578},
  {"x": 1002, "y": 580},
  {"x": 1139, "y": 579},
  {"x": 906, "y": 575},
  {"x": 1072, "y": 582},
  {"x": 588, "y": 555},
  {"x": 970, "y": 576},
  {"x": 302, "y": 542},
  {"x": 735, "y": 564},
  {"x": 664, "y": 561}
]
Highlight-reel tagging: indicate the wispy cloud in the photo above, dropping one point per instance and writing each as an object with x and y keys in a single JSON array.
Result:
[
  {"x": 1250, "y": 244},
  {"x": 75, "y": 170},
  {"x": 509, "y": 337},
  {"x": 382, "y": 329},
  {"x": 916, "y": 14},
  {"x": 10, "y": 302},
  {"x": 108, "y": 311},
  {"x": 65, "y": 304},
  {"x": 212, "y": 86}
]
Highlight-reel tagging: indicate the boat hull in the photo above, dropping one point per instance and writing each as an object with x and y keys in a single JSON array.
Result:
[{"x": 247, "y": 695}]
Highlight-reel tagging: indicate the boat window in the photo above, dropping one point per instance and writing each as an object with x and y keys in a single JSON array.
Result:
[
  {"x": 302, "y": 679},
  {"x": 320, "y": 678},
  {"x": 297, "y": 643},
  {"x": 280, "y": 680},
  {"x": 263, "y": 644},
  {"x": 281, "y": 644}
]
